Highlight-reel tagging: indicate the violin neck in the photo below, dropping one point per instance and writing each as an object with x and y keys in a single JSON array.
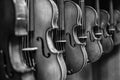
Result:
[
  {"x": 98, "y": 11},
  {"x": 111, "y": 12},
  {"x": 82, "y": 5},
  {"x": 30, "y": 15},
  {"x": 61, "y": 13}
]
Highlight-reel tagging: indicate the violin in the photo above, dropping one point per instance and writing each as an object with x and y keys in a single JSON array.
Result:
[
  {"x": 49, "y": 60},
  {"x": 103, "y": 22},
  {"x": 20, "y": 50},
  {"x": 106, "y": 40},
  {"x": 7, "y": 17},
  {"x": 93, "y": 45},
  {"x": 116, "y": 36},
  {"x": 32, "y": 48},
  {"x": 75, "y": 54}
]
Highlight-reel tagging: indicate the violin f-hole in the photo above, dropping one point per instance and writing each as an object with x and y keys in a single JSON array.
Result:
[{"x": 43, "y": 51}]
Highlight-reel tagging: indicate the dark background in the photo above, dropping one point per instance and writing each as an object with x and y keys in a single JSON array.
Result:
[{"x": 104, "y": 4}]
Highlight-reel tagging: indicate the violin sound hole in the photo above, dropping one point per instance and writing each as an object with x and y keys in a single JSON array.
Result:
[{"x": 47, "y": 55}]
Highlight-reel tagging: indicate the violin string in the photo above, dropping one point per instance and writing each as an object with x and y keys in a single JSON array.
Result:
[
  {"x": 60, "y": 6},
  {"x": 31, "y": 24},
  {"x": 22, "y": 48},
  {"x": 78, "y": 31},
  {"x": 83, "y": 16},
  {"x": 25, "y": 43},
  {"x": 59, "y": 32},
  {"x": 55, "y": 37},
  {"x": 62, "y": 22},
  {"x": 81, "y": 3},
  {"x": 98, "y": 11},
  {"x": 23, "y": 56},
  {"x": 111, "y": 12},
  {"x": 29, "y": 34}
]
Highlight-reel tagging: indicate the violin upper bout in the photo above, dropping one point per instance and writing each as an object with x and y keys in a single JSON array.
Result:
[{"x": 43, "y": 10}]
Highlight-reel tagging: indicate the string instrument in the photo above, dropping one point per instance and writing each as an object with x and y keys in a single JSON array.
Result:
[
  {"x": 48, "y": 39},
  {"x": 20, "y": 49},
  {"x": 7, "y": 18},
  {"x": 116, "y": 36},
  {"x": 76, "y": 55},
  {"x": 106, "y": 41},
  {"x": 32, "y": 48},
  {"x": 93, "y": 45}
]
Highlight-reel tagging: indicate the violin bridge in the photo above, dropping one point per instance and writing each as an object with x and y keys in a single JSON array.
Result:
[
  {"x": 30, "y": 49},
  {"x": 98, "y": 35},
  {"x": 63, "y": 41}
]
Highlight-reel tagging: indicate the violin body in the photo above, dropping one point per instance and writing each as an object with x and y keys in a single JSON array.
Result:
[
  {"x": 106, "y": 40},
  {"x": 47, "y": 62},
  {"x": 50, "y": 64},
  {"x": 7, "y": 17},
  {"x": 116, "y": 36},
  {"x": 93, "y": 47},
  {"x": 76, "y": 55},
  {"x": 18, "y": 61},
  {"x": 15, "y": 43}
]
